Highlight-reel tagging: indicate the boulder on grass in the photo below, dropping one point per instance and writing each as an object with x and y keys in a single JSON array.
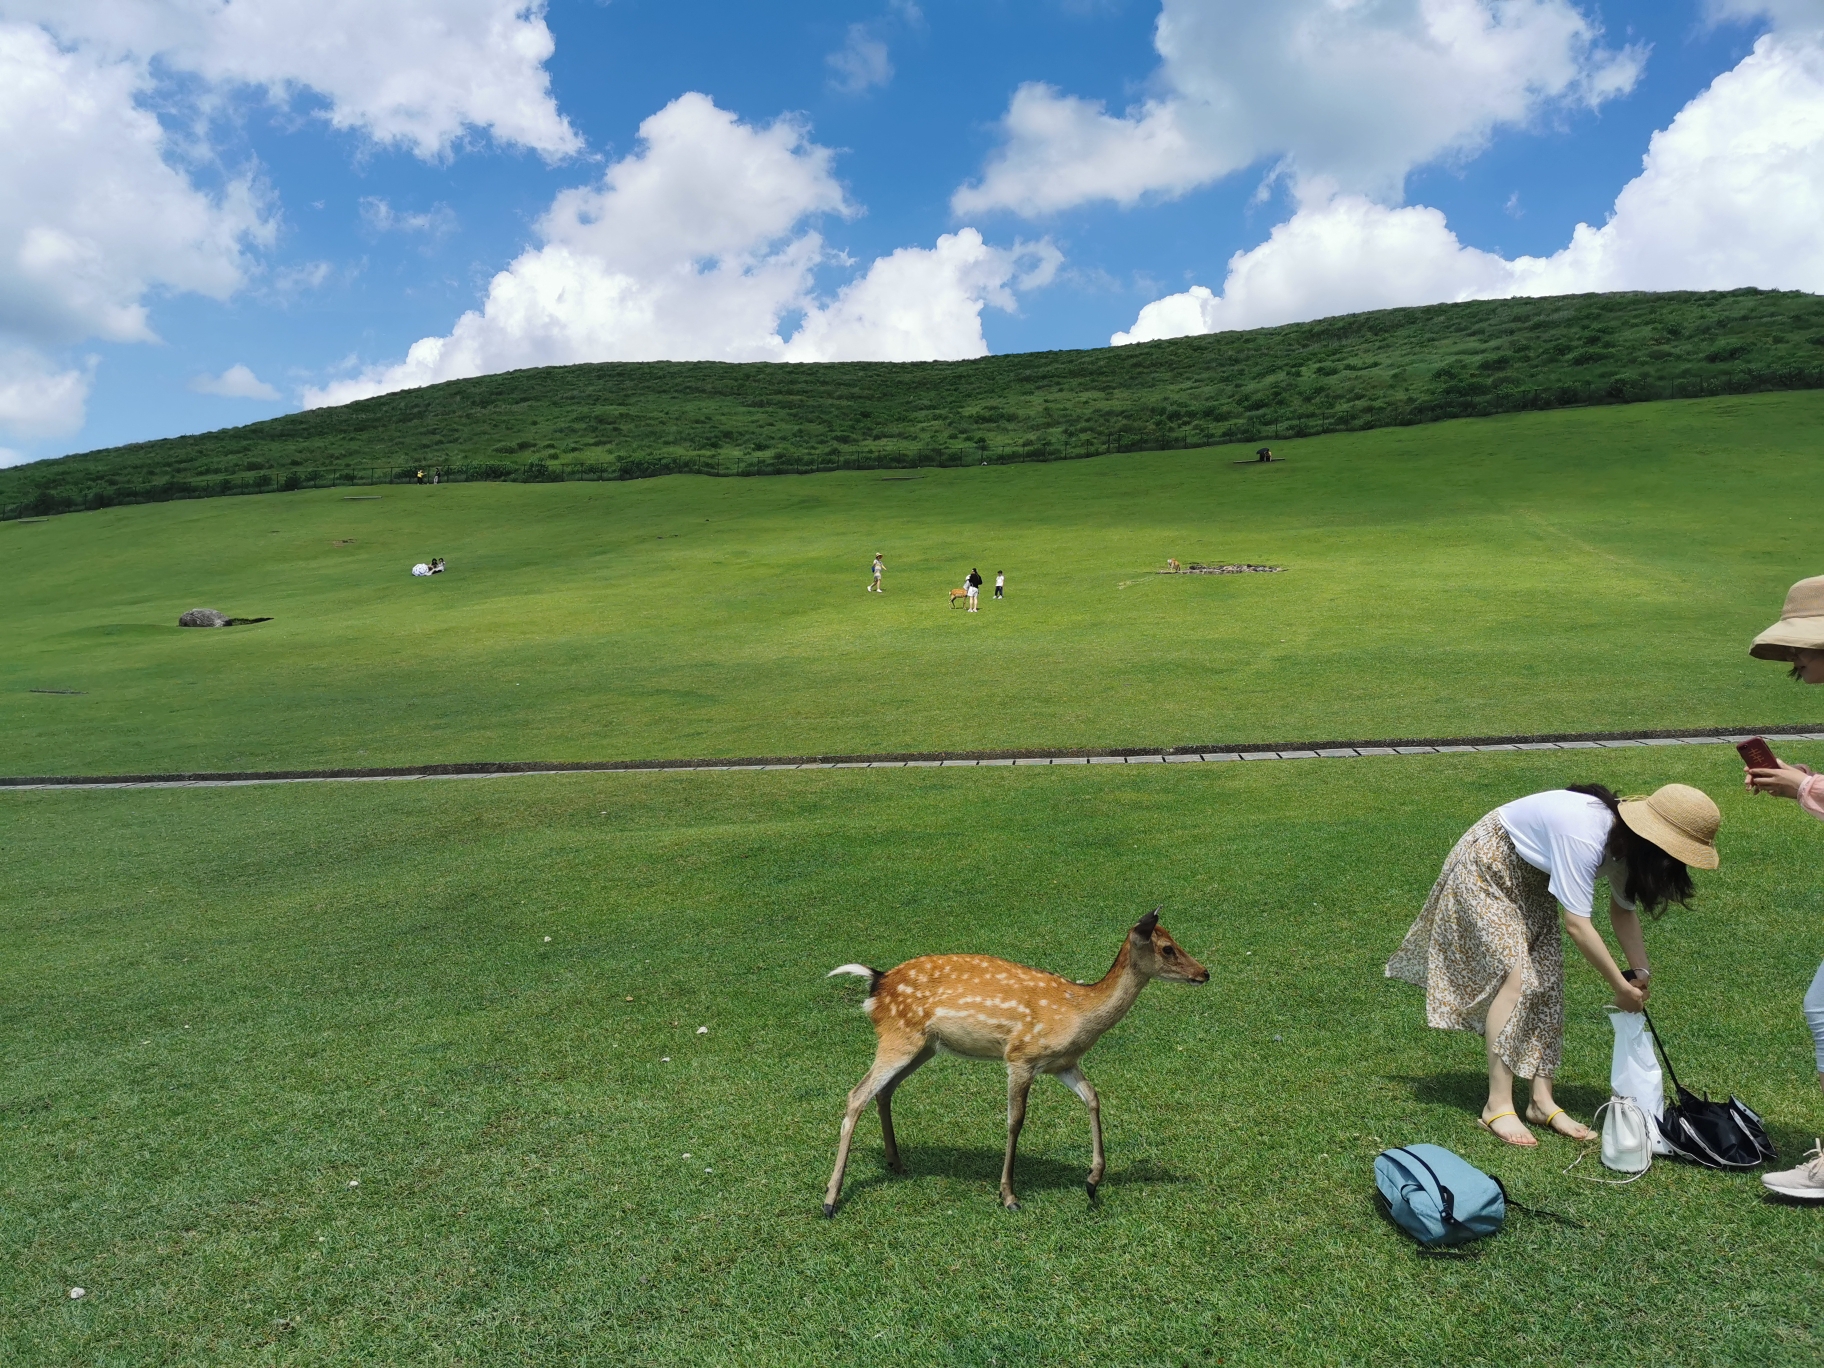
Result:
[{"x": 202, "y": 617}]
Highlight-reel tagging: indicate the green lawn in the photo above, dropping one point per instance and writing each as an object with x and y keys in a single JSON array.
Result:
[
  {"x": 225, "y": 1008},
  {"x": 1578, "y": 570}
]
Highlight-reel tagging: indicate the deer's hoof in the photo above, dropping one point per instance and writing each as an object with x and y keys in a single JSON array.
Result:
[
  {"x": 1010, "y": 1205},
  {"x": 829, "y": 1210},
  {"x": 1092, "y": 1189}
]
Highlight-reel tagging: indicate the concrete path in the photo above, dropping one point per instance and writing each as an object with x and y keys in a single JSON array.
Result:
[{"x": 1478, "y": 745}]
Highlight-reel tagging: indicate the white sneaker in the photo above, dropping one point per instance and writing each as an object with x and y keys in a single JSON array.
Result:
[{"x": 1806, "y": 1182}]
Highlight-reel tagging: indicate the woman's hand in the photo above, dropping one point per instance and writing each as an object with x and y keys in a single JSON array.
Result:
[
  {"x": 1629, "y": 998},
  {"x": 1781, "y": 782}
]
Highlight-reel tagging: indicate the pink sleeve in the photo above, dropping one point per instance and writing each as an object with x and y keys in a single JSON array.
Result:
[{"x": 1811, "y": 798}]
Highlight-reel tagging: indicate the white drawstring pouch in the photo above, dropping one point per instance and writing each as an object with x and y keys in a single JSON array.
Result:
[
  {"x": 1626, "y": 1145},
  {"x": 1634, "y": 1074}
]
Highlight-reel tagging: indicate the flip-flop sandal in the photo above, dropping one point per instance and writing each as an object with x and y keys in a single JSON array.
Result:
[
  {"x": 1489, "y": 1125},
  {"x": 1560, "y": 1111}
]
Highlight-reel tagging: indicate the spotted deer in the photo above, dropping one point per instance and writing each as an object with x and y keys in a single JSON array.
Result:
[{"x": 989, "y": 1008}]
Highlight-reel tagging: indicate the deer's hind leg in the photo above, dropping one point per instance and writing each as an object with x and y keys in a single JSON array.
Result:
[
  {"x": 893, "y": 1059},
  {"x": 885, "y": 1104},
  {"x": 1073, "y": 1079}
]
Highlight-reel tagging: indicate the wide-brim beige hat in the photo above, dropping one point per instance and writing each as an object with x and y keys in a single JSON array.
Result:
[
  {"x": 1680, "y": 820},
  {"x": 1801, "y": 624}
]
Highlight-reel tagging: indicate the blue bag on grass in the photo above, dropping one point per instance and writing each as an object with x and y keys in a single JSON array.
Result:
[{"x": 1437, "y": 1197}]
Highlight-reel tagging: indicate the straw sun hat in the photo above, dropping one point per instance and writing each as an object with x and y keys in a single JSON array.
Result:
[
  {"x": 1801, "y": 624},
  {"x": 1680, "y": 820}
]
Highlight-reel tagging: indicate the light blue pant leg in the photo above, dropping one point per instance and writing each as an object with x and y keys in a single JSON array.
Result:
[{"x": 1814, "y": 1014}]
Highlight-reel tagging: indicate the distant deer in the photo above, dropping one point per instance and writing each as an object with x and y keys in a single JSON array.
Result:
[{"x": 994, "y": 1009}]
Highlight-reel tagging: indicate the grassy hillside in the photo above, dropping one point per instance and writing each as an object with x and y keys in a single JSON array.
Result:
[
  {"x": 1357, "y": 372},
  {"x": 1585, "y": 569},
  {"x": 409, "y": 1074}
]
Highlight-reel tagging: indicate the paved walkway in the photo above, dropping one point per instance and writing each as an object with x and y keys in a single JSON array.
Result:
[{"x": 1584, "y": 741}]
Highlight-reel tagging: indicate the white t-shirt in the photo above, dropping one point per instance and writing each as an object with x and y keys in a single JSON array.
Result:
[
  {"x": 1566, "y": 834},
  {"x": 999, "y": 581}
]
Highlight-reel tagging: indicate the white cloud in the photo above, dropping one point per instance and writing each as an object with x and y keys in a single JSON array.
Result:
[
  {"x": 696, "y": 247},
  {"x": 93, "y": 216},
  {"x": 918, "y": 304},
  {"x": 1787, "y": 14},
  {"x": 1356, "y": 92},
  {"x": 237, "y": 382},
  {"x": 860, "y": 63},
  {"x": 1729, "y": 195},
  {"x": 39, "y": 400},
  {"x": 436, "y": 222},
  {"x": 411, "y": 73}
]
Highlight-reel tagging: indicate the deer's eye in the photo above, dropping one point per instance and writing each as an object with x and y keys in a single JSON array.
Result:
[{"x": 1171, "y": 952}]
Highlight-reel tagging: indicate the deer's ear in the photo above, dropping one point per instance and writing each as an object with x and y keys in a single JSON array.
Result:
[{"x": 1144, "y": 927}]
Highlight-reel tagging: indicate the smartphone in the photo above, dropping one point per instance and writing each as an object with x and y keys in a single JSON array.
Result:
[{"x": 1757, "y": 754}]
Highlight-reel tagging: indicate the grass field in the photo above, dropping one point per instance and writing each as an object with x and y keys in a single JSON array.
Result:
[
  {"x": 1577, "y": 570},
  {"x": 1356, "y": 372},
  {"x": 224, "y": 1009}
]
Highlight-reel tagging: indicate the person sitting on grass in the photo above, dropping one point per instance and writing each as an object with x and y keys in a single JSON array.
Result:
[
  {"x": 1798, "y": 638},
  {"x": 1486, "y": 949}
]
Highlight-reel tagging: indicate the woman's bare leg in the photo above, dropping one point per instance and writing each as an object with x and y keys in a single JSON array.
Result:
[
  {"x": 1500, "y": 1077},
  {"x": 1542, "y": 1107}
]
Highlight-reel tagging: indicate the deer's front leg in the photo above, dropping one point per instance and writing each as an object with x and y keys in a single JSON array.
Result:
[
  {"x": 1073, "y": 1079},
  {"x": 1019, "y": 1083}
]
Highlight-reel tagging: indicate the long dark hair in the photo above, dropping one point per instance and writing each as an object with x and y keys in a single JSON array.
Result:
[{"x": 1655, "y": 878}]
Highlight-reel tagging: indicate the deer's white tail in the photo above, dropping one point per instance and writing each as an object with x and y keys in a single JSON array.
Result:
[{"x": 859, "y": 970}]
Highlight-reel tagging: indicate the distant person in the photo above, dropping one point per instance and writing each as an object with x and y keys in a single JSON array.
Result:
[
  {"x": 1487, "y": 950},
  {"x": 879, "y": 566},
  {"x": 437, "y": 566},
  {"x": 1000, "y": 583},
  {"x": 1264, "y": 454},
  {"x": 974, "y": 585},
  {"x": 1798, "y": 639},
  {"x": 420, "y": 477},
  {"x": 436, "y": 476}
]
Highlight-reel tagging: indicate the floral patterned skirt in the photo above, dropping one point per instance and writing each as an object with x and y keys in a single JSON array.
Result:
[{"x": 1490, "y": 912}]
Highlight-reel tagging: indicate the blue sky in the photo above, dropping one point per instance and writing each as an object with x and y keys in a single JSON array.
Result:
[{"x": 214, "y": 211}]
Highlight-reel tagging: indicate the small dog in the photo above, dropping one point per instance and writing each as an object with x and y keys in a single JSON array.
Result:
[{"x": 956, "y": 594}]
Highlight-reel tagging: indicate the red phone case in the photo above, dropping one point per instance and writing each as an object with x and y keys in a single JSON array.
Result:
[{"x": 1757, "y": 754}]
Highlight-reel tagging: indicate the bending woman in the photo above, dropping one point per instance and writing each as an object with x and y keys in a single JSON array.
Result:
[{"x": 1486, "y": 948}]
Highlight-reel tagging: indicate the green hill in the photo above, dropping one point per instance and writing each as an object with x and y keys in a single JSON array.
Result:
[{"x": 627, "y": 420}]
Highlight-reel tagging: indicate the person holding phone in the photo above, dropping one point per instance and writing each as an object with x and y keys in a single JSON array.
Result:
[
  {"x": 1797, "y": 639},
  {"x": 1486, "y": 948}
]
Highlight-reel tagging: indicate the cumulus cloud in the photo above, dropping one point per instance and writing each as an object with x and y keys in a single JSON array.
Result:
[
  {"x": 237, "y": 382},
  {"x": 410, "y": 73},
  {"x": 1353, "y": 92},
  {"x": 695, "y": 247},
  {"x": 37, "y": 399},
  {"x": 919, "y": 304},
  {"x": 94, "y": 216},
  {"x": 1729, "y": 195}
]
